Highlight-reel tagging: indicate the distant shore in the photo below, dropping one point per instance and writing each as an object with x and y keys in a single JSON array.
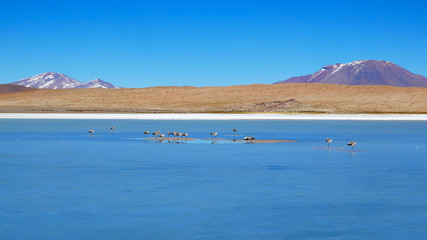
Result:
[
  {"x": 218, "y": 116},
  {"x": 295, "y": 98}
]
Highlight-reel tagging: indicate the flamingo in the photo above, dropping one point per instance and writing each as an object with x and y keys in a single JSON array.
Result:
[
  {"x": 328, "y": 140},
  {"x": 176, "y": 135},
  {"x": 352, "y": 144},
  {"x": 213, "y": 134},
  {"x": 156, "y": 134},
  {"x": 185, "y": 135}
]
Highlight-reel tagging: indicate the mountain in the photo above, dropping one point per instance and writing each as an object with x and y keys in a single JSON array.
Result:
[
  {"x": 51, "y": 80},
  {"x": 364, "y": 72},
  {"x": 10, "y": 88},
  {"x": 97, "y": 83}
]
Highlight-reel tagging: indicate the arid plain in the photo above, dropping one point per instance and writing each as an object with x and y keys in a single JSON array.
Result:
[{"x": 289, "y": 97}]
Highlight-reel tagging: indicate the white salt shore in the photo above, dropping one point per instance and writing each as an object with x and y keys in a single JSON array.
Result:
[{"x": 217, "y": 116}]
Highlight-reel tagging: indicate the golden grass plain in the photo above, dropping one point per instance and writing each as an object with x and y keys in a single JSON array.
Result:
[{"x": 289, "y": 97}]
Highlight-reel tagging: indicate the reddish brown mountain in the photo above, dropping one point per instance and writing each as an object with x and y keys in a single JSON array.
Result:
[
  {"x": 365, "y": 72},
  {"x": 10, "y": 88}
]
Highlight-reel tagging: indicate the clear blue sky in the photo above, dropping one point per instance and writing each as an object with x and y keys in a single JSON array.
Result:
[{"x": 205, "y": 43}]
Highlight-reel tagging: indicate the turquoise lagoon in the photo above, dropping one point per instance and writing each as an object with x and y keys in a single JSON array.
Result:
[{"x": 59, "y": 182}]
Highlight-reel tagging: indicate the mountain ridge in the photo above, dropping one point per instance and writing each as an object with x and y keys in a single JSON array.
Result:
[
  {"x": 52, "y": 80},
  {"x": 363, "y": 72},
  {"x": 97, "y": 83}
]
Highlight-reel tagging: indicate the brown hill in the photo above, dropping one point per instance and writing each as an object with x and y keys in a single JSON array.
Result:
[
  {"x": 10, "y": 88},
  {"x": 366, "y": 72},
  {"x": 292, "y": 97}
]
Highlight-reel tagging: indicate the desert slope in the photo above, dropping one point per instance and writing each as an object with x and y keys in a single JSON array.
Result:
[
  {"x": 289, "y": 97},
  {"x": 11, "y": 88}
]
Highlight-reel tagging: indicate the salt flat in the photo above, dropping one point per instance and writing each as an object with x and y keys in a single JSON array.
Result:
[{"x": 217, "y": 116}]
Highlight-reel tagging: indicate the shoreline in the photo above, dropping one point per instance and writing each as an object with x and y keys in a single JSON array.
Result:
[{"x": 217, "y": 116}]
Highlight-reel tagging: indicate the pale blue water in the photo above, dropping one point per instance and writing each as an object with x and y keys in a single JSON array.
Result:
[{"x": 57, "y": 182}]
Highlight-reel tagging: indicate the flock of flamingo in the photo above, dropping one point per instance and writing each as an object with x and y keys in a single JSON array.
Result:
[
  {"x": 162, "y": 136},
  {"x": 176, "y": 136}
]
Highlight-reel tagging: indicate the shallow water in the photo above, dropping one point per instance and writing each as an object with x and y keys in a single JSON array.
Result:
[{"x": 59, "y": 182}]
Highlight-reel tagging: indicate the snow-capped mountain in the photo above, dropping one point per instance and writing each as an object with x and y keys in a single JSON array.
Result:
[
  {"x": 364, "y": 72},
  {"x": 51, "y": 80},
  {"x": 97, "y": 83}
]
